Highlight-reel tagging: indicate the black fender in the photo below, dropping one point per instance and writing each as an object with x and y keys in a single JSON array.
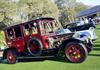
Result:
[{"x": 65, "y": 42}]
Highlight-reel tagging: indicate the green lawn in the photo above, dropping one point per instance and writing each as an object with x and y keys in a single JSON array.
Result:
[{"x": 92, "y": 62}]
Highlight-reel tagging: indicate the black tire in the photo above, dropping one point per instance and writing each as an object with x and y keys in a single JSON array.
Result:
[
  {"x": 75, "y": 52},
  {"x": 10, "y": 56},
  {"x": 34, "y": 47}
]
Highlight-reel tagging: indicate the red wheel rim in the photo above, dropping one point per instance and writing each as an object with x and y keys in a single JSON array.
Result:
[
  {"x": 74, "y": 53},
  {"x": 10, "y": 57}
]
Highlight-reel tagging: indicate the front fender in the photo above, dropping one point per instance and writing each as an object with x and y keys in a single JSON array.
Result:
[
  {"x": 82, "y": 36},
  {"x": 85, "y": 35}
]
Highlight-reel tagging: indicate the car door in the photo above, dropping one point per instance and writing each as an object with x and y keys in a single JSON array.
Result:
[{"x": 19, "y": 40}]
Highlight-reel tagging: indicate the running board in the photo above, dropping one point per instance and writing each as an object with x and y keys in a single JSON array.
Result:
[{"x": 35, "y": 57}]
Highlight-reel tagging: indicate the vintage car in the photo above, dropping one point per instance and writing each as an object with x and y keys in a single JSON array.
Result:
[{"x": 42, "y": 37}]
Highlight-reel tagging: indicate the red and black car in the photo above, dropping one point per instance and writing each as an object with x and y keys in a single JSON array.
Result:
[{"x": 38, "y": 38}]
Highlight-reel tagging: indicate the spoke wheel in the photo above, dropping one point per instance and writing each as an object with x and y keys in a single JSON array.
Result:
[
  {"x": 75, "y": 52},
  {"x": 11, "y": 57}
]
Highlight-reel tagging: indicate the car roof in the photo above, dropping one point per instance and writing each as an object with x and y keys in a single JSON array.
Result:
[{"x": 35, "y": 19}]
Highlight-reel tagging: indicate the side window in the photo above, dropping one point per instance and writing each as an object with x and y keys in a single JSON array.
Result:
[
  {"x": 55, "y": 25},
  {"x": 26, "y": 29},
  {"x": 17, "y": 31},
  {"x": 34, "y": 28},
  {"x": 42, "y": 28},
  {"x": 10, "y": 34},
  {"x": 48, "y": 27}
]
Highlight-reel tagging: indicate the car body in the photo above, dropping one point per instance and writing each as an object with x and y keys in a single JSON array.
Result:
[{"x": 41, "y": 37}]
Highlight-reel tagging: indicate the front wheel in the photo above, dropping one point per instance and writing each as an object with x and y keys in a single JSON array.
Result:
[{"x": 75, "y": 52}]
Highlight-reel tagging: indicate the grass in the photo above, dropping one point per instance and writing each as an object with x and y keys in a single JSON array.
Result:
[{"x": 92, "y": 62}]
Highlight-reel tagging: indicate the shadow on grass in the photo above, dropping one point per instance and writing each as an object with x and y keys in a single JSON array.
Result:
[
  {"x": 97, "y": 28},
  {"x": 97, "y": 45},
  {"x": 58, "y": 59},
  {"x": 94, "y": 55},
  {"x": 96, "y": 49},
  {"x": 25, "y": 60}
]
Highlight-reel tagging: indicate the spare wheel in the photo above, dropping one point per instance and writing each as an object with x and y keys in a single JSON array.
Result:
[{"x": 34, "y": 47}]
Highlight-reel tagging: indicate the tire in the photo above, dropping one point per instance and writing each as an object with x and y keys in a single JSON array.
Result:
[
  {"x": 34, "y": 47},
  {"x": 75, "y": 52},
  {"x": 10, "y": 55}
]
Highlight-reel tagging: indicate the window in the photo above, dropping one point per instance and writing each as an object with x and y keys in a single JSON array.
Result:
[
  {"x": 50, "y": 26},
  {"x": 47, "y": 27},
  {"x": 34, "y": 28},
  {"x": 26, "y": 29},
  {"x": 10, "y": 33},
  {"x": 55, "y": 25},
  {"x": 17, "y": 31}
]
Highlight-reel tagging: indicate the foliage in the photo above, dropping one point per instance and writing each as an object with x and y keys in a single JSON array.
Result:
[
  {"x": 80, "y": 6},
  {"x": 2, "y": 38},
  {"x": 7, "y": 9},
  {"x": 61, "y": 3},
  {"x": 68, "y": 10},
  {"x": 38, "y": 8}
]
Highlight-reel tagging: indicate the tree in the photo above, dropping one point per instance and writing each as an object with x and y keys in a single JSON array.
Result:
[
  {"x": 38, "y": 8},
  {"x": 61, "y": 3},
  {"x": 80, "y": 6},
  {"x": 68, "y": 10},
  {"x": 7, "y": 9}
]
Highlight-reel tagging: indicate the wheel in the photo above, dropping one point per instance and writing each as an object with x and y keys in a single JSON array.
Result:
[
  {"x": 34, "y": 47},
  {"x": 11, "y": 56},
  {"x": 75, "y": 52}
]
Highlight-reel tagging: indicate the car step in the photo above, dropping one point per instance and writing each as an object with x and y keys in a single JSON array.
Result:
[{"x": 35, "y": 57}]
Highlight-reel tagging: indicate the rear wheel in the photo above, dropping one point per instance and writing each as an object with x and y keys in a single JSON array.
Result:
[
  {"x": 11, "y": 56},
  {"x": 75, "y": 52}
]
